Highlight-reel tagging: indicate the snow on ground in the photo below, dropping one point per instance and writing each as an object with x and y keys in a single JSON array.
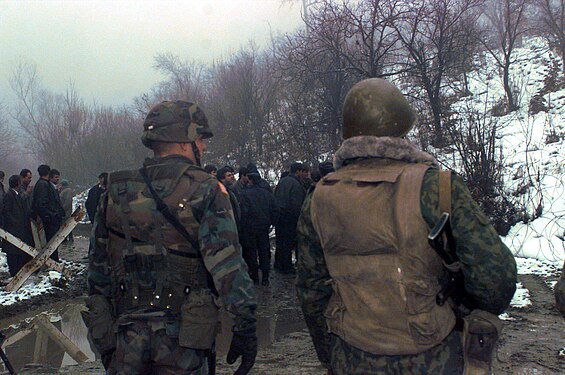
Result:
[
  {"x": 521, "y": 297},
  {"x": 35, "y": 285}
]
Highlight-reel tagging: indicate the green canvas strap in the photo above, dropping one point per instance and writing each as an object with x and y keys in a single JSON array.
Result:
[{"x": 445, "y": 191}]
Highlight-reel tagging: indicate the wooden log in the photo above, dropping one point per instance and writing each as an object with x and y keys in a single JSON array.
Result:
[
  {"x": 40, "y": 348},
  {"x": 34, "y": 264},
  {"x": 33, "y": 252},
  {"x": 16, "y": 337},
  {"x": 43, "y": 323}
]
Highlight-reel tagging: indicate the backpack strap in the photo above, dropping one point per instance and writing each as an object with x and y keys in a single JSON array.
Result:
[{"x": 445, "y": 191}]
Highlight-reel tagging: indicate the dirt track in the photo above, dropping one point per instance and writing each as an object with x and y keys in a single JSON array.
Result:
[{"x": 530, "y": 343}]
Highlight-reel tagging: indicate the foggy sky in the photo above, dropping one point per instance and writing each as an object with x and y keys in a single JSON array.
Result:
[{"x": 107, "y": 47}]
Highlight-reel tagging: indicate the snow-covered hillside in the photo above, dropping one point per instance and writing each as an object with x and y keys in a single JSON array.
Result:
[{"x": 532, "y": 144}]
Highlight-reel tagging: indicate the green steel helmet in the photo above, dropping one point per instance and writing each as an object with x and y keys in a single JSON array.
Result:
[
  {"x": 376, "y": 107},
  {"x": 175, "y": 122}
]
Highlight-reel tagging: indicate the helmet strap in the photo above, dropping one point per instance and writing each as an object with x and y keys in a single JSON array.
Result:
[{"x": 196, "y": 152}]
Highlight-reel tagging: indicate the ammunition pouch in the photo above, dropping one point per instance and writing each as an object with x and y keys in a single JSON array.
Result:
[
  {"x": 199, "y": 321},
  {"x": 100, "y": 321},
  {"x": 481, "y": 330}
]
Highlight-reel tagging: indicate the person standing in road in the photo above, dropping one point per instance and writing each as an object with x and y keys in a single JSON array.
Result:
[
  {"x": 164, "y": 250},
  {"x": 289, "y": 195},
  {"x": 368, "y": 280},
  {"x": 2, "y": 192},
  {"x": 94, "y": 194},
  {"x": 47, "y": 205},
  {"x": 258, "y": 213},
  {"x": 16, "y": 222},
  {"x": 26, "y": 189},
  {"x": 66, "y": 196}
]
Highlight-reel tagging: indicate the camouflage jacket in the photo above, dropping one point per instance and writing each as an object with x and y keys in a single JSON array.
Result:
[
  {"x": 216, "y": 235},
  {"x": 486, "y": 261}
]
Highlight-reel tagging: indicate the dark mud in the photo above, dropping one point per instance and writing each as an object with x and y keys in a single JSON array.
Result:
[{"x": 530, "y": 342}]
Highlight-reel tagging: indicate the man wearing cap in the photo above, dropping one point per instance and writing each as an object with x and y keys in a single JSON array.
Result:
[{"x": 165, "y": 253}]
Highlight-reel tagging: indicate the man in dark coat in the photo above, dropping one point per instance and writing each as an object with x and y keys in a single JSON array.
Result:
[
  {"x": 226, "y": 177},
  {"x": 252, "y": 168},
  {"x": 94, "y": 194},
  {"x": 241, "y": 183},
  {"x": 258, "y": 212},
  {"x": 16, "y": 222},
  {"x": 47, "y": 205},
  {"x": 289, "y": 195},
  {"x": 26, "y": 189},
  {"x": 1, "y": 193}
]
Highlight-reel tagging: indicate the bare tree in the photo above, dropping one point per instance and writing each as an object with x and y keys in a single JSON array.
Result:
[
  {"x": 434, "y": 32},
  {"x": 242, "y": 97},
  {"x": 361, "y": 33},
  {"x": 552, "y": 15},
  {"x": 186, "y": 80},
  {"x": 7, "y": 135},
  {"x": 507, "y": 19}
]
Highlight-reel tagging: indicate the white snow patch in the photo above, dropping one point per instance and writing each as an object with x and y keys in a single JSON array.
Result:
[
  {"x": 521, "y": 298},
  {"x": 3, "y": 263},
  {"x": 35, "y": 285},
  {"x": 531, "y": 266},
  {"x": 505, "y": 316}
]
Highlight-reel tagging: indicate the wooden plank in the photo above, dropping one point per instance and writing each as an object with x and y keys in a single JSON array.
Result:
[
  {"x": 40, "y": 348},
  {"x": 16, "y": 337},
  {"x": 43, "y": 323},
  {"x": 34, "y": 264},
  {"x": 33, "y": 252}
]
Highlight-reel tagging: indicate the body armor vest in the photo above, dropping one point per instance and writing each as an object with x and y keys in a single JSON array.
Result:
[
  {"x": 385, "y": 276},
  {"x": 153, "y": 267}
]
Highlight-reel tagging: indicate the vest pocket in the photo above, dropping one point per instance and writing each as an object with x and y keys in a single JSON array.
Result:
[
  {"x": 335, "y": 310},
  {"x": 420, "y": 303},
  {"x": 199, "y": 321},
  {"x": 424, "y": 329},
  {"x": 421, "y": 296}
]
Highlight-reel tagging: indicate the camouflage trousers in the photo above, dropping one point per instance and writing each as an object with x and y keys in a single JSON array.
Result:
[
  {"x": 151, "y": 347},
  {"x": 446, "y": 358}
]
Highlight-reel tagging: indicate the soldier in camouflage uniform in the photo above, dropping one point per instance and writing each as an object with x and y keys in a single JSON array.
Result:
[
  {"x": 366, "y": 276},
  {"x": 154, "y": 293}
]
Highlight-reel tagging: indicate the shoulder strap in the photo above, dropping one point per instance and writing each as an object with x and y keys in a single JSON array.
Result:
[
  {"x": 166, "y": 212},
  {"x": 174, "y": 221},
  {"x": 445, "y": 191}
]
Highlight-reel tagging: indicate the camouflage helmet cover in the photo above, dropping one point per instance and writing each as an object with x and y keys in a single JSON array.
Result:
[
  {"x": 175, "y": 122},
  {"x": 376, "y": 107}
]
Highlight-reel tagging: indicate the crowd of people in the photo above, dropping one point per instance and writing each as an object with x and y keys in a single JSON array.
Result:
[
  {"x": 48, "y": 202},
  {"x": 258, "y": 207}
]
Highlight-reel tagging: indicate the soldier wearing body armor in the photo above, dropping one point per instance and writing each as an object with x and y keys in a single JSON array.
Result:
[
  {"x": 367, "y": 278},
  {"x": 164, "y": 255}
]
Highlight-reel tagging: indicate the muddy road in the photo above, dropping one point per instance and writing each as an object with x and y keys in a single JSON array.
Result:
[{"x": 532, "y": 342}]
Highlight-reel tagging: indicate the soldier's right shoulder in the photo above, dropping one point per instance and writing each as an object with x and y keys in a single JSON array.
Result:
[{"x": 199, "y": 175}]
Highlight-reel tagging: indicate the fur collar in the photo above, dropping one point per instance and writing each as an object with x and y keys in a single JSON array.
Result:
[{"x": 381, "y": 147}]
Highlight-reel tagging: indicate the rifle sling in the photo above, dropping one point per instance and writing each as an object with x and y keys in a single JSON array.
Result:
[
  {"x": 445, "y": 191},
  {"x": 166, "y": 212},
  {"x": 174, "y": 221}
]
